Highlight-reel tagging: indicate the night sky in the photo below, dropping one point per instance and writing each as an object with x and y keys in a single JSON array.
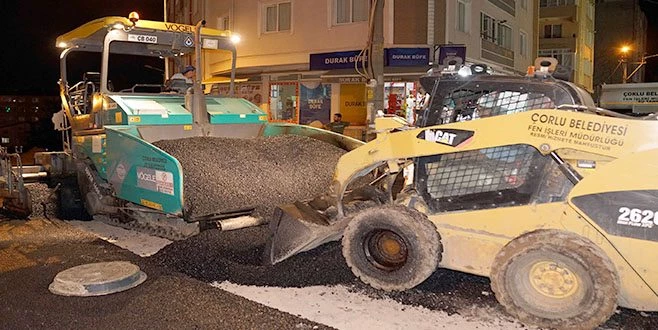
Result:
[
  {"x": 29, "y": 59},
  {"x": 650, "y": 8}
]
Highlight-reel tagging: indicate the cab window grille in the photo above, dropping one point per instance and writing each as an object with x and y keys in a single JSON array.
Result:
[{"x": 485, "y": 178}]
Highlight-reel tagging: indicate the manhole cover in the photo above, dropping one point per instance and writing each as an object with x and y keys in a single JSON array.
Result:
[{"x": 97, "y": 279}]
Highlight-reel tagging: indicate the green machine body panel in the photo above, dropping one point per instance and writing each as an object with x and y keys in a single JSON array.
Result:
[
  {"x": 143, "y": 173},
  {"x": 225, "y": 110},
  {"x": 93, "y": 147},
  {"x": 161, "y": 109}
]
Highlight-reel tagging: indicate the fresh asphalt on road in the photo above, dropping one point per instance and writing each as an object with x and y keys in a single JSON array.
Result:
[{"x": 33, "y": 252}]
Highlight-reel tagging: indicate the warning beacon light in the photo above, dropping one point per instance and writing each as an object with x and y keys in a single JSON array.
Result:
[{"x": 133, "y": 17}]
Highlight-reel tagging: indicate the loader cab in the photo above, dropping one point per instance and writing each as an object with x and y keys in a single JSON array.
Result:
[{"x": 497, "y": 176}]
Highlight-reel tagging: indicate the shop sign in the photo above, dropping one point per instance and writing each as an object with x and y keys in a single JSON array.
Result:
[
  {"x": 314, "y": 103},
  {"x": 335, "y": 60},
  {"x": 407, "y": 56},
  {"x": 449, "y": 52},
  {"x": 625, "y": 96},
  {"x": 353, "y": 103},
  {"x": 351, "y": 80}
]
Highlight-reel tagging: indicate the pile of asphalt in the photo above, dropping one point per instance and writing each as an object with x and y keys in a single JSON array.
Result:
[
  {"x": 236, "y": 256},
  {"x": 224, "y": 174},
  {"x": 44, "y": 200}
]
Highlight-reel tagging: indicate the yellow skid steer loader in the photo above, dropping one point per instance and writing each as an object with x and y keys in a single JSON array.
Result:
[{"x": 520, "y": 179}]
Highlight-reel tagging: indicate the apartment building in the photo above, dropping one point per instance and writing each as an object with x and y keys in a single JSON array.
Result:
[
  {"x": 567, "y": 34},
  {"x": 22, "y": 115},
  {"x": 301, "y": 59}
]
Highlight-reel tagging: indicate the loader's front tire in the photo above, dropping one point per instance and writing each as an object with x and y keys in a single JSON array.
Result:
[
  {"x": 391, "y": 248},
  {"x": 555, "y": 279}
]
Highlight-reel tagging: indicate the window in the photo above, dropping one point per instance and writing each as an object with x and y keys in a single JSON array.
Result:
[
  {"x": 504, "y": 36},
  {"x": 564, "y": 56},
  {"x": 463, "y": 16},
  {"x": 350, "y": 11},
  {"x": 495, "y": 31},
  {"x": 556, "y": 3},
  {"x": 524, "y": 4},
  {"x": 553, "y": 31},
  {"x": 277, "y": 17},
  {"x": 283, "y": 102},
  {"x": 486, "y": 27},
  {"x": 223, "y": 23},
  {"x": 523, "y": 44}
]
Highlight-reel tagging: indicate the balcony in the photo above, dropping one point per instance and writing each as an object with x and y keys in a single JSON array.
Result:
[
  {"x": 568, "y": 12},
  {"x": 507, "y": 5},
  {"x": 551, "y": 43},
  {"x": 496, "y": 53}
]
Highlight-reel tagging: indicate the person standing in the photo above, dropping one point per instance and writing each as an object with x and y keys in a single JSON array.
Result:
[
  {"x": 338, "y": 125},
  {"x": 410, "y": 107}
]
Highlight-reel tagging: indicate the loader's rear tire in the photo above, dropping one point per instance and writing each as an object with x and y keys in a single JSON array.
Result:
[
  {"x": 392, "y": 248},
  {"x": 555, "y": 279}
]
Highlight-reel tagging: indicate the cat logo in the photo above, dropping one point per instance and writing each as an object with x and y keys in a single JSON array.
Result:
[{"x": 449, "y": 137}]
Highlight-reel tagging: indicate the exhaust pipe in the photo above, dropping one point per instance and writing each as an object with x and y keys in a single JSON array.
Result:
[{"x": 239, "y": 223}]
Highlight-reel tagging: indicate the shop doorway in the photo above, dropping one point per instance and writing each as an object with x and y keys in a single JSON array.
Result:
[{"x": 284, "y": 102}]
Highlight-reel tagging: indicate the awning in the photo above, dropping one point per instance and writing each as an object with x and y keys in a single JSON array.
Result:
[{"x": 391, "y": 73}]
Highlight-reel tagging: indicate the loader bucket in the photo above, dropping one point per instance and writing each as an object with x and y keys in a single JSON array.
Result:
[{"x": 296, "y": 228}]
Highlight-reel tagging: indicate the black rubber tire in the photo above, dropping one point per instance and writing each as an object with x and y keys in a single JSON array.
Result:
[
  {"x": 559, "y": 259},
  {"x": 71, "y": 206},
  {"x": 422, "y": 244}
]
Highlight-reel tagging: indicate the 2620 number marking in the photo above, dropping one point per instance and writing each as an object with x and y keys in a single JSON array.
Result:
[{"x": 637, "y": 217}]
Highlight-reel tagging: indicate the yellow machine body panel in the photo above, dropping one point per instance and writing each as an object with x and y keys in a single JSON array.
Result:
[
  {"x": 546, "y": 130},
  {"x": 101, "y": 24}
]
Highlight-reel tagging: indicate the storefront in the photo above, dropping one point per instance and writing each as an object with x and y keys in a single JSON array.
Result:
[
  {"x": 332, "y": 85},
  {"x": 403, "y": 67}
]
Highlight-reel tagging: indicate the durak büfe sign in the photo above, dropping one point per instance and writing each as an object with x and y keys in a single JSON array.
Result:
[
  {"x": 347, "y": 59},
  {"x": 314, "y": 103},
  {"x": 407, "y": 56},
  {"x": 336, "y": 60}
]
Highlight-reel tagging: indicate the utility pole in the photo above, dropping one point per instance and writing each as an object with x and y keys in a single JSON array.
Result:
[
  {"x": 166, "y": 61},
  {"x": 376, "y": 62},
  {"x": 643, "y": 61}
]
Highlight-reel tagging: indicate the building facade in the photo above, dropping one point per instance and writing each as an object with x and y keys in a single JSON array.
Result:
[
  {"x": 21, "y": 116},
  {"x": 302, "y": 60},
  {"x": 567, "y": 34},
  {"x": 612, "y": 33}
]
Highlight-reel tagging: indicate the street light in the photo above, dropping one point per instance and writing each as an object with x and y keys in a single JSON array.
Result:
[
  {"x": 624, "y": 61},
  {"x": 625, "y": 49}
]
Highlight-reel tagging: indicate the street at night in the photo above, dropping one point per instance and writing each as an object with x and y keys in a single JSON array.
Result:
[{"x": 329, "y": 164}]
